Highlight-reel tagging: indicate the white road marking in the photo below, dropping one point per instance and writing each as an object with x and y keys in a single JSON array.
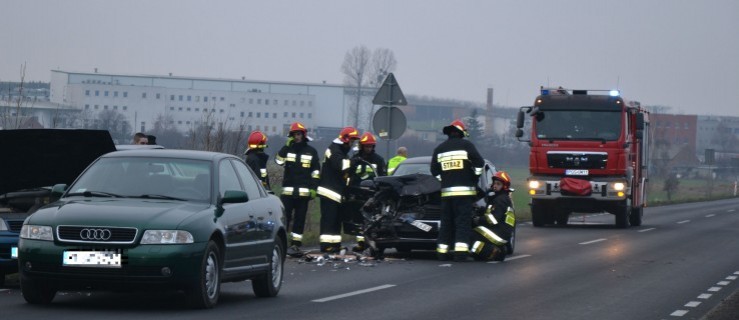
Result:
[
  {"x": 684, "y": 221},
  {"x": 714, "y": 289},
  {"x": 710, "y": 215},
  {"x": 704, "y": 296},
  {"x": 354, "y": 293},
  {"x": 731, "y": 278},
  {"x": 679, "y": 313},
  {"x": 593, "y": 241},
  {"x": 513, "y": 258},
  {"x": 692, "y": 304},
  {"x": 730, "y": 210},
  {"x": 648, "y": 229},
  {"x": 736, "y": 272},
  {"x": 723, "y": 283}
]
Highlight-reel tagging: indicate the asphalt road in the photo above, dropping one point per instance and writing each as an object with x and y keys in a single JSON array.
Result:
[{"x": 681, "y": 264}]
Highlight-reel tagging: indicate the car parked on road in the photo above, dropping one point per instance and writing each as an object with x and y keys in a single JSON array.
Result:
[
  {"x": 33, "y": 161},
  {"x": 156, "y": 219},
  {"x": 408, "y": 216}
]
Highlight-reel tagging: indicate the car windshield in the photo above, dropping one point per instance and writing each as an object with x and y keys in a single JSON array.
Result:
[
  {"x": 411, "y": 168},
  {"x": 579, "y": 125},
  {"x": 138, "y": 177}
]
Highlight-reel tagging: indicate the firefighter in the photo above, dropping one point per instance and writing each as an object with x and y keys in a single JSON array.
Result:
[
  {"x": 255, "y": 156},
  {"x": 494, "y": 228},
  {"x": 334, "y": 178},
  {"x": 458, "y": 165},
  {"x": 366, "y": 165},
  {"x": 396, "y": 160},
  {"x": 299, "y": 182}
]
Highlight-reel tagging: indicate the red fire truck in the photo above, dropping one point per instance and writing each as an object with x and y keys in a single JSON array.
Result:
[{"x": 589, "y": 153}]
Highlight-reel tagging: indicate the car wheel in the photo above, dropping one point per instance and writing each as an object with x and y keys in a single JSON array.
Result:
[
  {"x": 2, "y": 279},
  {"x": 511, "y": 245},
  {"x": 37, "y": 292},
  {"x": 269, "y": 284},
  {"x": 205, "y": 291}
]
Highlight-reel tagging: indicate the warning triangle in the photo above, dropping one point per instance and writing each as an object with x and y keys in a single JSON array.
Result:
[{"x": 389, "y": 93}]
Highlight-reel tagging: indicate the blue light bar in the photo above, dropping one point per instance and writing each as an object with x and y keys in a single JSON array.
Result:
[
  {"x": 614, "y": 93},
  {"x": 544, "y": 92}
]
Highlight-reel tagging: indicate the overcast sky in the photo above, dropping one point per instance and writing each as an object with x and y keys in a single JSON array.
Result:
[{"x": 678, "y": 53}]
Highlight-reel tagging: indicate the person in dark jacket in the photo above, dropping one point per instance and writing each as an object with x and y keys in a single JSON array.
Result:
[
  {"x": 458, "y": 165},
  {"x": 299, "y": 183},
  {"x": 366, "y": 165},
  {"x": 493, "y": 229},
  {"x": 255, "y": 156},
  {"x": 334, "y": 179}
]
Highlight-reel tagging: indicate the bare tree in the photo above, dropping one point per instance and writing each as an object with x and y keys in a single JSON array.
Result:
[
  {"x": 383, "y": 62},
  {"x": 356, "y": 62},
  {"x": 115, "y": 123},
  {"x": 363, "y": 69}
]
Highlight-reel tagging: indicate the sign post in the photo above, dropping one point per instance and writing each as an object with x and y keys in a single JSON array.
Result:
[{"x": 389, "y": 122}]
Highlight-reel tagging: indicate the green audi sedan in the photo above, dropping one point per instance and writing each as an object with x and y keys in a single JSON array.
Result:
[{"x": 156, "y": 219}]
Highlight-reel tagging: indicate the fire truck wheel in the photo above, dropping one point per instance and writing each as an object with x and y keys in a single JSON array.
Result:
[
  {"x": 562, "y": 218},
  {"x": 538, "y": 214},
  {"x": 636, "y": 216},
  {"x": 622, "y": 216}
]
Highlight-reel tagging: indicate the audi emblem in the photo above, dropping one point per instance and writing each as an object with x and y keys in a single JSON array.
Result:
[{"x": 95, "y": 234}]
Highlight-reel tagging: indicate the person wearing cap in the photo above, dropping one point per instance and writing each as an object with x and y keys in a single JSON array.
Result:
[
  {"x": 255, "y": 156},
  {"x": 493, "y": 229},
  {"x": 393, "y": 163},
  {"x": 334, "y": 178},
  {"x": 366, "y": 165},
  {"x": 458, "y": 165},
  {"x": 299, "y": 182}
]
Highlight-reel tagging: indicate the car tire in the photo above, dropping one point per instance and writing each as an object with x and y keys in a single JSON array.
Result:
[
  {"x": 269, "y": 284},
  {"x": 37, "y": 292},
  {"x": 204, "y": 293},
  {"x": 2, "y": 279},
  {"x": 511, "y": 245}
]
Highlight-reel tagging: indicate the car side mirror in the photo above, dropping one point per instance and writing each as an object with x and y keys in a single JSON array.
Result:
[
  {"x": 234, "y": 196},
  {"x": 58, "y": 190}
]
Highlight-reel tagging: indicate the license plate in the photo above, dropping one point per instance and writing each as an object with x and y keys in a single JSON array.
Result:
[
  {"x": 98, "y": 259},
  {"x": 14, "y": 252},
  {"x": 574, "y": 172},
  {"x": 421, "y": 225}
]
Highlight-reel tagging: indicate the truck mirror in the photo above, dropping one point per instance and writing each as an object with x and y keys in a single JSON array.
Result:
[
  {"x": 519, "y": 120},
  {"x": 519, "y": 133}
]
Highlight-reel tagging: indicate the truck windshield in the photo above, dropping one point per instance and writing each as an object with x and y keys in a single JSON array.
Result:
[{"x": 579, "y": 125}]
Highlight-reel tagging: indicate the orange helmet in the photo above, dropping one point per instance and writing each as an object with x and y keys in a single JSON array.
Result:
[
  {"x": 368, "y": 139},
  {"x": 504, "y": 178},
  {"x": 348, "y": 134},
  {"x": 297, "y": 126},
  {"x": 257, "y": 140},
  {"x": 456, "y": 125}
]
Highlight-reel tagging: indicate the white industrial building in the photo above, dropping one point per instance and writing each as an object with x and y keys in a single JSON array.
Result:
[{"x": 187, "y": 102}]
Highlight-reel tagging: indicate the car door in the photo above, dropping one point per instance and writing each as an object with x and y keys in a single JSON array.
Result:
[
  {"x": 262, "y": 207},
  {"x": 240, "y": 221}
]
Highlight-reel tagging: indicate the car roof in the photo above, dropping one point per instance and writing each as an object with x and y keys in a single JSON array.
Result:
[
  {"x": 34, "y": 158},
  {"x": 170, "y": 153}
]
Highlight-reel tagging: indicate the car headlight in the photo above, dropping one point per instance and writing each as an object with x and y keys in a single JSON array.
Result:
[
  {"x": 619, "y": 186},
  {"x": 3, "y": 225},
  {"x": 166, "y": 237},
  {"x": 534, "y": 184},
  {"x": 29, "y": 231}
]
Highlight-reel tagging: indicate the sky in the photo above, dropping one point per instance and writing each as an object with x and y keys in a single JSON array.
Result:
[{"x": 682, "y": 54}]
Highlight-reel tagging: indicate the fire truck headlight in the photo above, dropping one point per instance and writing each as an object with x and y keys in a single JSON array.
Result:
[
  {"x": 619, "y": 186},
  {"x": 533, "y": 184}
]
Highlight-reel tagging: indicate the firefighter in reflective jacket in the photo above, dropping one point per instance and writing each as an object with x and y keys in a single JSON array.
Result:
[
  {"x": 366, "y": 165},
  {"x": 255, "y": 156},
  {"x": 494, "y": 228},
  {"x": 458, "y": 165},
  {"x": 334, "y": 179},
  {"x": 299, "y": 182}
]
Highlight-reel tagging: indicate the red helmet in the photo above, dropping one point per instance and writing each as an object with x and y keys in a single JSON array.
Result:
[
  {"x": 348, "y": 134},
  {"x": 257, "y": 140},
  {"x": 368, "y": 139},
  {"x": 456, "y": 125},
  {"x": 297, "y": 126},
  {"x": 504, "y": 178}
]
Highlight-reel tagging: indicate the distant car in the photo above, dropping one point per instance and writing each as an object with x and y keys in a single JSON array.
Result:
[
  {"x": 32, "y": 161},
  {"x": 415, "y": 225},
  {"x": 156, "y": 219}
]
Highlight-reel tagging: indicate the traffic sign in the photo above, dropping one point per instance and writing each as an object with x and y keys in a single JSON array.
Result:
[
  {"x": 389, "y": 123},
  {"x": 389, "y": 93}
]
